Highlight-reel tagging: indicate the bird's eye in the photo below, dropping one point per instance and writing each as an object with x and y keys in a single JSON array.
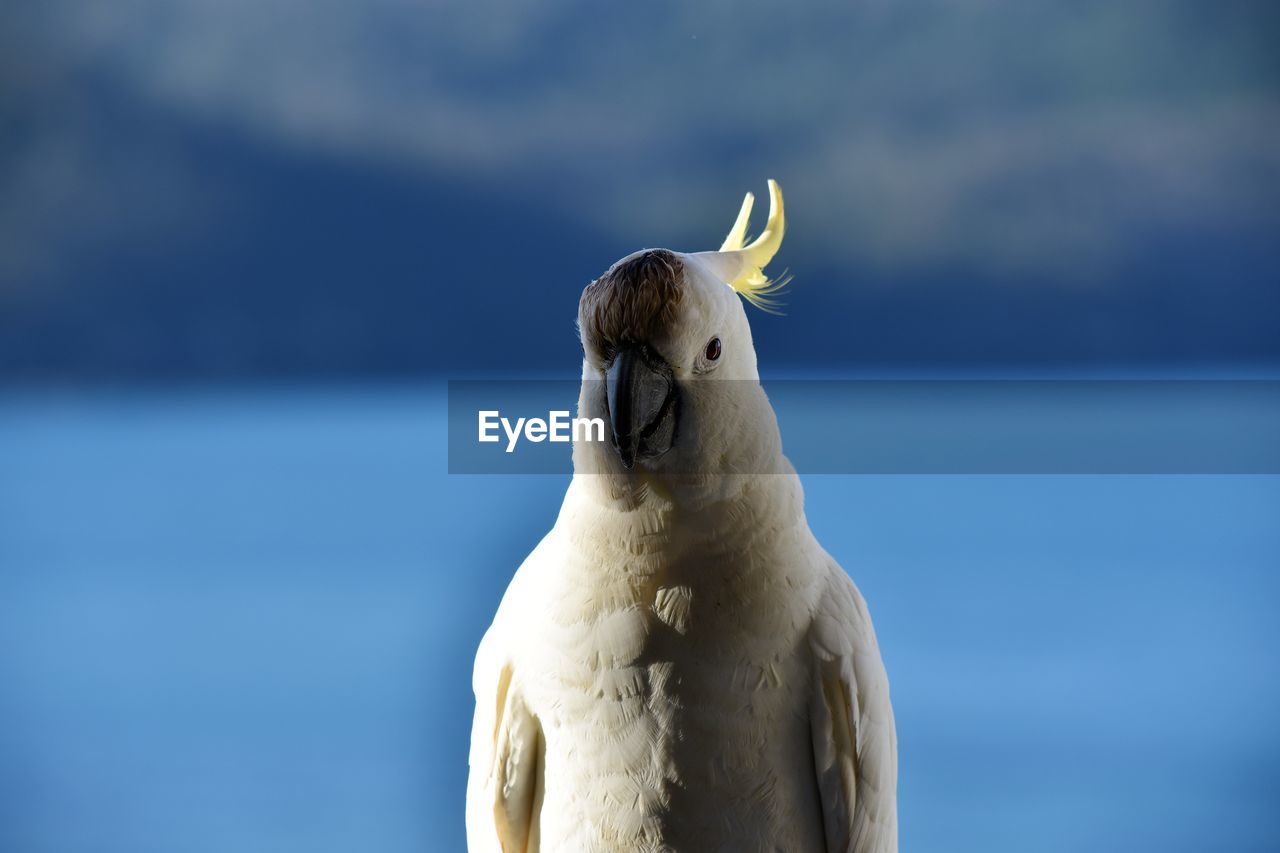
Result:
[{"x": 713, "y": 349}]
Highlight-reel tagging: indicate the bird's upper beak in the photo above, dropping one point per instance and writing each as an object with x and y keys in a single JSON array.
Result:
[{"x": 643, "y": 401}]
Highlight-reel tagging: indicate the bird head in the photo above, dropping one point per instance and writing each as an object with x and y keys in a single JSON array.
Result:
[{"x": 668, "y": 355}]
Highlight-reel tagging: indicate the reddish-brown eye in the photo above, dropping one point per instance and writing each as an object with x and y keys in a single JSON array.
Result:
[{"x": 713, "y": 349}]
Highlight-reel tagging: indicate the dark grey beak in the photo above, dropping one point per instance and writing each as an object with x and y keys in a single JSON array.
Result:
[{"x": 641, "y": 390}]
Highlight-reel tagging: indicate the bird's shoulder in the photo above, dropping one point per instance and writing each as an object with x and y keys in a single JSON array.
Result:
[
  {"x": 523, "y": 597},
  {"x": 841, "y": 625}
]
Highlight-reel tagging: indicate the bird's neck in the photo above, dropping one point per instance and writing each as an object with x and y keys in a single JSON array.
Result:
[{"x": 716, "y": 518}]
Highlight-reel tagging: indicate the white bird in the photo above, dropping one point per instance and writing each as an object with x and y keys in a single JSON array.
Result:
[{"x": 679, "y": 665}]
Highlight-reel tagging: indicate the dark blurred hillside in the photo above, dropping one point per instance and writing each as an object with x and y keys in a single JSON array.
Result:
[
  {"x": 215, "y": 195},
  {"x": 297, "y": 264}
]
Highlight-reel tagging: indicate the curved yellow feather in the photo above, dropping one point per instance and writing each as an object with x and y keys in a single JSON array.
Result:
[
  {"x": 750, "y": 281},
  {"x": 738, "y": 233}
]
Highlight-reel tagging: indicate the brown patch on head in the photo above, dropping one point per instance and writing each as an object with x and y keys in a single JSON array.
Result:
[{"x": 632, "y": 302}]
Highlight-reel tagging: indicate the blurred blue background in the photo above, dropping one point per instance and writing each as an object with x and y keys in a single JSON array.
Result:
[{"x": 243, "y": 245}]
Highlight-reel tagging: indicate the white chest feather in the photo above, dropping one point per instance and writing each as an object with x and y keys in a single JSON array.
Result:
[{"x": 671, "y": 692}]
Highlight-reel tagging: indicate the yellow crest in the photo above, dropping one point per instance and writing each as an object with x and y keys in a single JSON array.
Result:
[{"x": 749, "y": 260}]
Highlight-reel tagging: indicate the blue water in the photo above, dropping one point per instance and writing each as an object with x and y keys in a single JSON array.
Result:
[{"x": 244, "y": 621}]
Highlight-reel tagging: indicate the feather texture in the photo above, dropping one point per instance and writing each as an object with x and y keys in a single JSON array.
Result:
[{"x": 854, "y": 742}]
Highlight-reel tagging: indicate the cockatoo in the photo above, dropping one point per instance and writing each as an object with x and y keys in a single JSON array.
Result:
[{"x": 679, "y": 665}]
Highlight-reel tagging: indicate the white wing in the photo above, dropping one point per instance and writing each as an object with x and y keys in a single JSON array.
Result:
[
  {"x": 855, "y": 747},
  {"x": 504, "y": 787}
]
